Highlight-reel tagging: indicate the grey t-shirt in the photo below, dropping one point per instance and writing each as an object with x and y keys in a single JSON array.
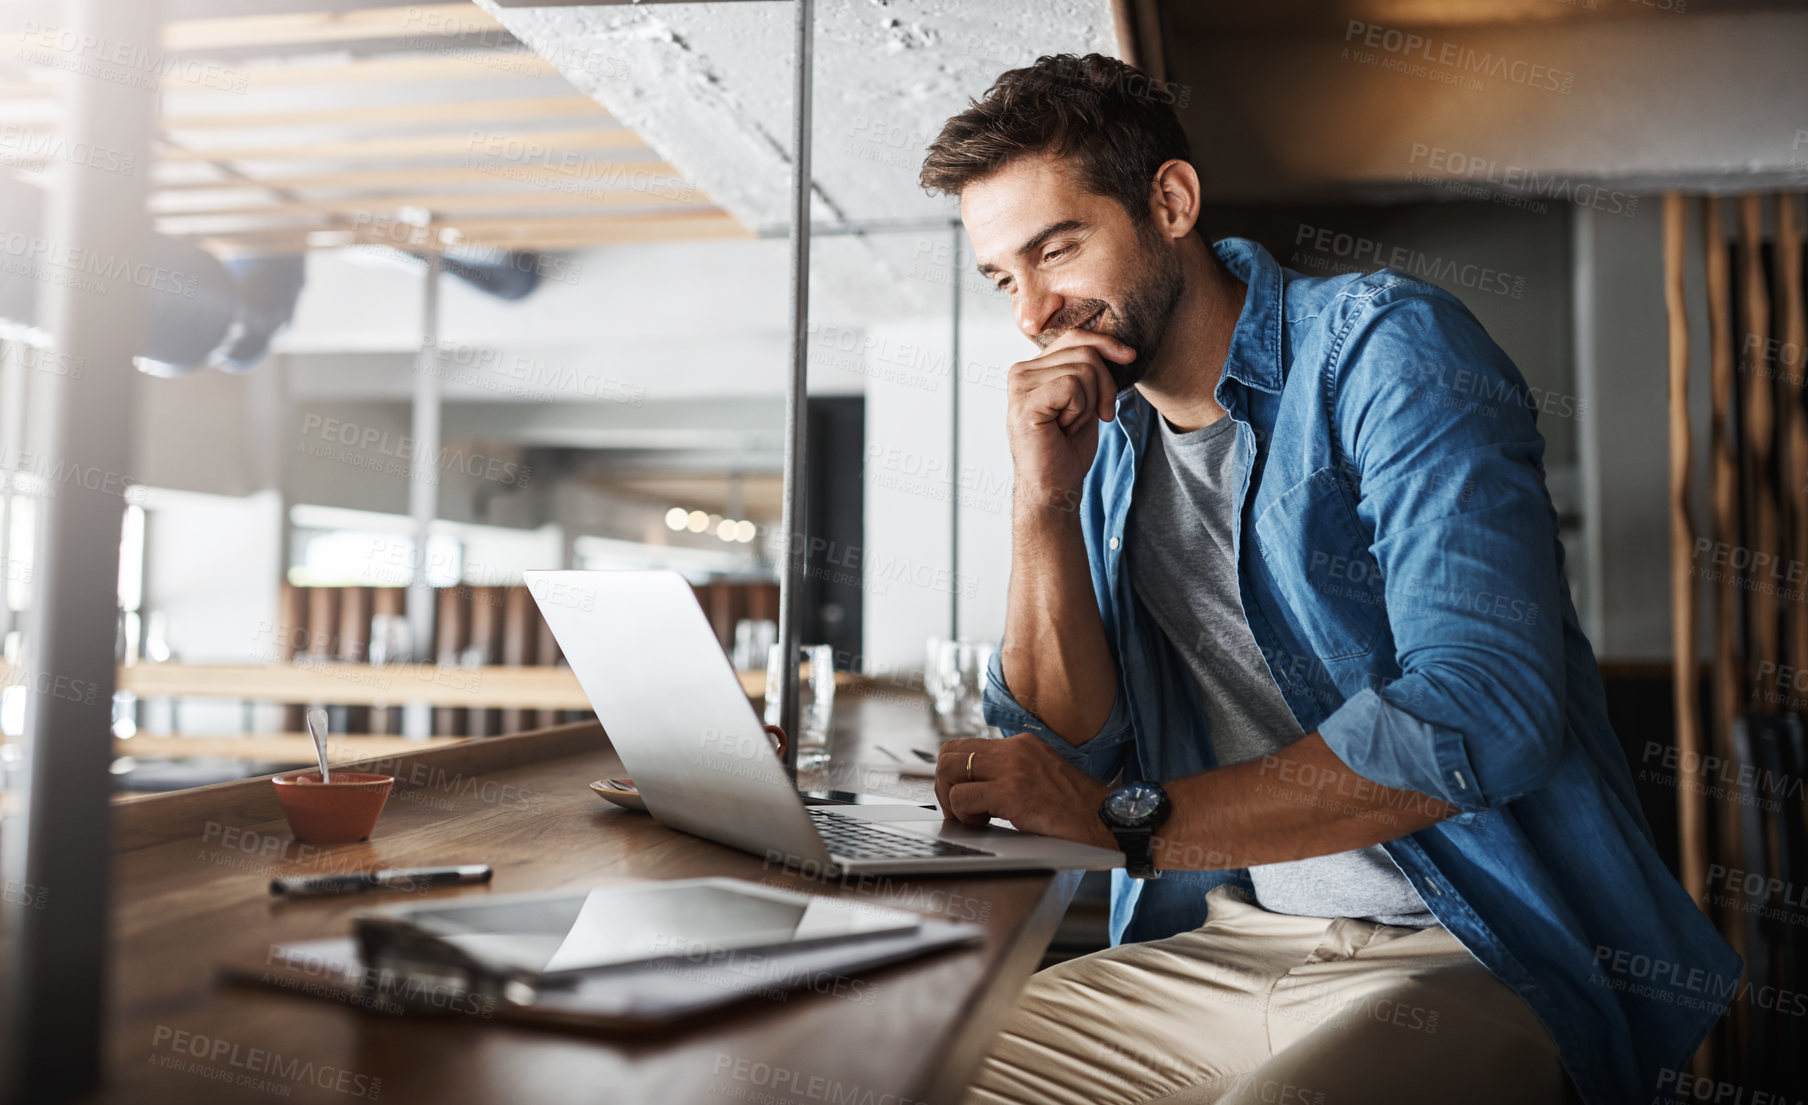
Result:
[{"x": 1180, "y": 562}]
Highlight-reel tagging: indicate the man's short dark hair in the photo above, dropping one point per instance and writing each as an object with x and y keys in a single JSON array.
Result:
[{"x": 1112, "y": 123}]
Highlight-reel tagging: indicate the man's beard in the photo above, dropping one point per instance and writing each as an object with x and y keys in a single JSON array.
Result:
[{"x": 1141, "y": 323}]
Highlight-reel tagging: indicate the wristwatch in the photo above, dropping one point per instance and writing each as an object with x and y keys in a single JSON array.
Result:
[{"x": 1133, "y": 813}]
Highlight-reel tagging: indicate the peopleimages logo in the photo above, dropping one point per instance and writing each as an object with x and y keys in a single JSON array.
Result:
[
  {"x": 1673, "y": 1084},
  {"x": 117, "y": 61},
  {"x": 788, "y": 1084},
  {"x": 21, "y": 146},
  {"x": 1689, "y": 986},
  {"x": 1448, "y": 166},
  {"x": 242, "y": 1064},
  {"x": 326, "y": 433},
  {"x": 66, "y": 262},
  {"x": 1464, "y": 59},
  {"x": 1363, "y": 253}
]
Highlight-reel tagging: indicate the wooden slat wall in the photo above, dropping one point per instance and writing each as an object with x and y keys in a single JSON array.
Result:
[
  {"x": 1691, "y": 801},
  {"x": 519, "y": 635},
  {"x": 485, "y": 638},
  {"x": 391, "y": 602},
  {"x": 546, "y": 651},
  {"x": 354, "y": 646},
  {"x": 1789, "y": 372},
  {"x": 449, "y": 628},
  {"x": 292, "y": 624},
  {"x": 1729, "y": 678},
  {"x": 1761, "y": 419},
  {"x": 1757, "y": 328}
]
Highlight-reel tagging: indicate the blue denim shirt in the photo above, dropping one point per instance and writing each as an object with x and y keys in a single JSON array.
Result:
[{"x": 1399, "y": 565}]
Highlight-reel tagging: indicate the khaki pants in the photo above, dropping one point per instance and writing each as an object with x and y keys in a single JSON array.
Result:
[{"x": 1259, "y": 1007}]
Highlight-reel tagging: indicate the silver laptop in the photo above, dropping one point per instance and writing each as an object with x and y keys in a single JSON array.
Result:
[{"x": 674, "y": 710}]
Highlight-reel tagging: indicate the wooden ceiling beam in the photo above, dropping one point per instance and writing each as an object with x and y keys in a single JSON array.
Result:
[
  {"x": 424, "y": 21},
  {"x": 546, "y": 224},
  {"x": 507, "y": 224},
  {"x": 343, "y": 118},
  {"x": 460, "y": 65},
  {"x": 504, "y": 148},
  {"x": 527, "y": 235},
  {"x": 659, "y": 176},
  {"x": 456, "y": 111},
  {"x": 564, "y": 242},
  {"x": 485, "y": 61},
  {"x": 497, "y": 202},
  {"x": 573, "y": 235}
]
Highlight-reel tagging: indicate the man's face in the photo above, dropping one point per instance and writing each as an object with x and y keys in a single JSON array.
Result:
[{"x": 1071, "y": 258}]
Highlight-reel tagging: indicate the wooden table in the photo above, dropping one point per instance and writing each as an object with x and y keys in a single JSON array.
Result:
[{"x": 191, "y": 878}]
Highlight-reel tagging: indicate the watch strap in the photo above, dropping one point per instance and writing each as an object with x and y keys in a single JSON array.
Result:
[{"x": 1139, "y": 861}]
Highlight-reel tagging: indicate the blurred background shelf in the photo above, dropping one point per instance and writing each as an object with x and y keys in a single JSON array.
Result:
[
  {"x": 492, "y": 686},
  {"x": 282, "y": 748},
  {"x": 344, "y": 683}
]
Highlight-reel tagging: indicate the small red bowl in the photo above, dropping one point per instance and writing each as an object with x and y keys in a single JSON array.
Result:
[{"x": 342, "y": 811}]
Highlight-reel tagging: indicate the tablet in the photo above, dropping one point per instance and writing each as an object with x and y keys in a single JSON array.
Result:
[{"x": 534, "y": 936}]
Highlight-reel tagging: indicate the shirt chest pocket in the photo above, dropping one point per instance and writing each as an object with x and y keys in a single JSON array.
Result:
[{"x": 1317, "y": 552}]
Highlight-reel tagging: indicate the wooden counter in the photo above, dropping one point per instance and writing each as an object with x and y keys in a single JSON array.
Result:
[
  {"x": 345, "y": 683},
  {"x": 191, "y": 877}
]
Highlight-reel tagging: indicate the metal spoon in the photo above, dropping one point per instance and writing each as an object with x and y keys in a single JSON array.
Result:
[{"x": 317, "y": 730}]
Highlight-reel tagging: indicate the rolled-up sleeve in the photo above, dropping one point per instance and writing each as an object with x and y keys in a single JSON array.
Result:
[
  {"x": 1101, "y": 756},
  {"x": 1440, "y": 441}
]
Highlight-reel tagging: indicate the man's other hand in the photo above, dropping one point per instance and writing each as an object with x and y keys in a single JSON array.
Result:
[{"x": 1053, "y": 405}]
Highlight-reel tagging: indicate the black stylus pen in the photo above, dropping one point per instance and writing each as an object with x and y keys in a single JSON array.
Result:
[{"x": 393, "y": 878}]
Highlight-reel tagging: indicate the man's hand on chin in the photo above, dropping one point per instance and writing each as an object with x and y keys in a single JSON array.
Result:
[{"x": 1025, "y": 782}]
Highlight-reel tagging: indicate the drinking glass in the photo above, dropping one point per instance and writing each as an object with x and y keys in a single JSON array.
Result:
[
  {"x": 753, "y": 641},
  {"x": 390, "y": 640},
  {"x": 954, "y": 674},
  {"x": 816, "y": 700}
]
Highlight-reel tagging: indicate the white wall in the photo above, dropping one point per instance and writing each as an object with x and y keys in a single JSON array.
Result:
[
  {"x": 679, "y": 319},
  {"x": 213, "y": 563},
  {"x": 212, "y": 567},
  {"x": 908, "y": 472}
]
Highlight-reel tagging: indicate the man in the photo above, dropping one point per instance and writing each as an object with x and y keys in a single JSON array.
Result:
[{"x": 1288, "y": 624}]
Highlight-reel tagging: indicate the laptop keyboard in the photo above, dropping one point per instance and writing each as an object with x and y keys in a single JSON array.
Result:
[{"x": 856, "y": 839}]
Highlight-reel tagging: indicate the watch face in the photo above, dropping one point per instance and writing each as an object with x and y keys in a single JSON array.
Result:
[{"x": 1135, "y": 804}]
